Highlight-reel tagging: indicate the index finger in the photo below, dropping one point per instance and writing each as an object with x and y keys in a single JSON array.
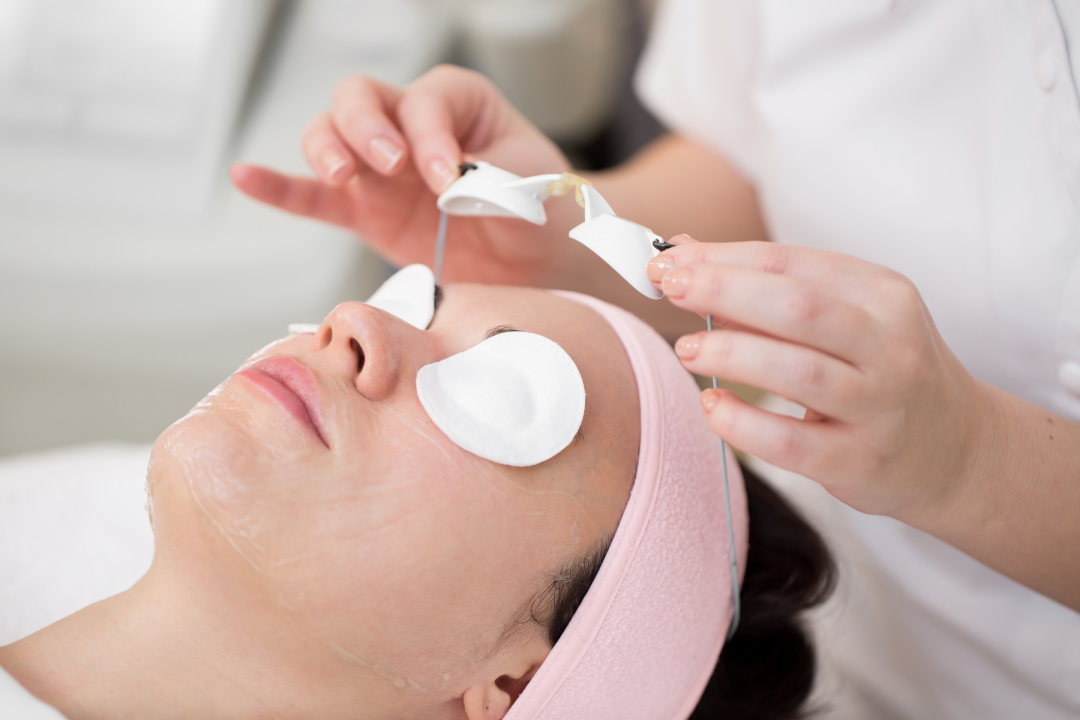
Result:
[
  {"x": 445, "y": 111},
  {"x": 302, "y": 196},
  {"x": 809, "y": 265},
  {"x": 781, "y": 307}
]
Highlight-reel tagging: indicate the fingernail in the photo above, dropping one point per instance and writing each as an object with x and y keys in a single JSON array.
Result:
[
  {"x": 676, "y": 283},
  {"x": 709, "y": 398},
  {"x": 687, "y": 347},
  {"x": 443, "y": 172},
  {"x": 659, "y": 266},
  {"x": 333, "y": 165},
  {"x": 386, "y": 153}
]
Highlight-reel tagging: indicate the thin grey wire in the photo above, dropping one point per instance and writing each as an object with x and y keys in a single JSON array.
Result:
[
  {"x": 736, "y": 611},
  {"x": 736, "y": 605},
  {"x": 440, "y": 246}
]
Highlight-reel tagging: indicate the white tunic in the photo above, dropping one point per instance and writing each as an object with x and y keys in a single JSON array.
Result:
[{"x": 940, "y": 138}]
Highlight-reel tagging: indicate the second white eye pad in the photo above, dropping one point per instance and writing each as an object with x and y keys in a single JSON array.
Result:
[
  {"x": 409, "y": 295},
  {"x": 515, "y": 399}
]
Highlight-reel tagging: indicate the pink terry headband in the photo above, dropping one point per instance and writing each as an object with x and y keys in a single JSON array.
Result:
[{"x": 644, "y": 642}]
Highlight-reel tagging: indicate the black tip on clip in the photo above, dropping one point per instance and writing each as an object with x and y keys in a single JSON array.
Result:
[
  {"x": 661, "y": 245},
  {"x": 466, "y": 167}
]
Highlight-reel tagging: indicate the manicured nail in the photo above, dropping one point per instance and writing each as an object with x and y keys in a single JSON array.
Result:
[
  {"x": 659, "y": 266},
  {"x": 386, "y": 153},
  {"x": 687, "y": 347},
  {"x": 709, "y": 398},
  {"x": 443, "y": 172},
  {"x": 333, "y": 164},
  {"x": 676, "y": 283}
]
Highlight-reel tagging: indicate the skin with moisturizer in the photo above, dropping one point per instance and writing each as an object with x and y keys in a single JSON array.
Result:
[{"x": 321, "y": 545}]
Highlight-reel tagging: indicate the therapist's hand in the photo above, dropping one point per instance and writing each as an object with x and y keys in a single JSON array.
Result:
[
  {"x": 382, "y": 154},
  {"x": 895, "y": 423}
]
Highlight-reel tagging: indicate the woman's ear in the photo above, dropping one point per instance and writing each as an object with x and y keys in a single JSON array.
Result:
[{"x": 490, "y": 698}]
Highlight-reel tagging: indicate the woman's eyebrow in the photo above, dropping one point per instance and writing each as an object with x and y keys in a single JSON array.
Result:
[{"x": 499, "y": 330}]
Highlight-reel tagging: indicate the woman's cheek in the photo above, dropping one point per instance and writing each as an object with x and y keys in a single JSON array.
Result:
[{"x": 395, "y": 526}]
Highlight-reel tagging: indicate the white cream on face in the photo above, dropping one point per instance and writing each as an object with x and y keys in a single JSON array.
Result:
[{"x": 514, "y": 399}]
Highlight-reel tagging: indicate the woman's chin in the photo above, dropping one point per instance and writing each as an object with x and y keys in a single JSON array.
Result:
[{"x": 217, "y": 461}]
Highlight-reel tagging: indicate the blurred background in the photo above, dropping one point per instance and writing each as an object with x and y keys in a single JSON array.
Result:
[{"x": 133, "y": 278}]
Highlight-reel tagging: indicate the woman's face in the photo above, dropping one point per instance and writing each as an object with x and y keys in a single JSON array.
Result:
[{"x": 317, "y": 475}]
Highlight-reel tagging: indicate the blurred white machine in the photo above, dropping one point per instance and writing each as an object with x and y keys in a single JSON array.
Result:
[
  {"x": 133, "y": 277},
  {"x": 122, "y": 104}
]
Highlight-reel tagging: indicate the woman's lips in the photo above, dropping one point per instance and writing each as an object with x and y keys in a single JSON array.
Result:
[{"x": 293, "y": 386}]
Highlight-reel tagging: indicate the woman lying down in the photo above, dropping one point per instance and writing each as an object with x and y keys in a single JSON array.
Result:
[{"x": 505, "y": 506}]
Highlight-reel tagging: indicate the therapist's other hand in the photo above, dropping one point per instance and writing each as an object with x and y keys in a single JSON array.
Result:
[
  {"x": 382, "y": 154},
  {"x": 894, "y": 423}
]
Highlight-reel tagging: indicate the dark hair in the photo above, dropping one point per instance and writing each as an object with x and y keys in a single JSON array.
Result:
[{"x": 766, "y": 671}]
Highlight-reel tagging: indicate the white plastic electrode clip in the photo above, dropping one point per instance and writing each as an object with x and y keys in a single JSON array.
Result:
[
  {"x": 494, "y": 192},
  {"x": 624, "y": 245}
]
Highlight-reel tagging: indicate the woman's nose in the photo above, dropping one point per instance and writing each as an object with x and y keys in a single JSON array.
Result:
[{"x": 369, "y": 346}]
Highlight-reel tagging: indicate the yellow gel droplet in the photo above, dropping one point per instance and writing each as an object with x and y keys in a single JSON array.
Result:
[{"x": 560, "y": 187}]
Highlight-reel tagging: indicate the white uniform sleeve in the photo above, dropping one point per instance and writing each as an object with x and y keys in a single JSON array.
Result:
[{"x": 696, "y": 71}]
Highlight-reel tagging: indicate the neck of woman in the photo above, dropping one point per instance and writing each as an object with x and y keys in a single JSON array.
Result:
[
  {"x": 132, "y": 655},
  {"x": 172, "y": 648}
]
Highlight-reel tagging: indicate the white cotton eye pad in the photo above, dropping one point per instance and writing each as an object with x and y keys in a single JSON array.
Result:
[
  {"x": 409, "y": 295},
  {"x": 303, "y": 328},
  {"x": 514, "y": 399}
]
